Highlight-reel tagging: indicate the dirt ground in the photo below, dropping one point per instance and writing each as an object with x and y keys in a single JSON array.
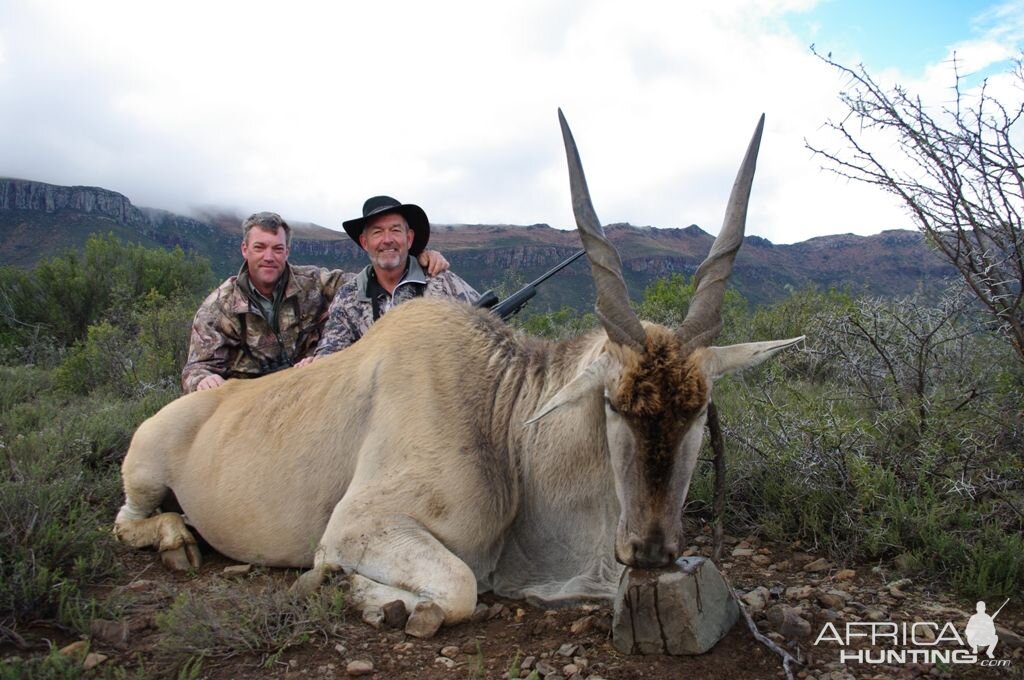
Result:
[{"x": 558, "y": 643}]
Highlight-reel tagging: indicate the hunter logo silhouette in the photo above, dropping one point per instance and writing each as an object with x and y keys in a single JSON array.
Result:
[{"x": 981, "y": 630}]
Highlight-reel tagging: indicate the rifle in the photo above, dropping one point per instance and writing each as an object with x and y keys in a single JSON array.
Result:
[{"x": 515, "y": 302}]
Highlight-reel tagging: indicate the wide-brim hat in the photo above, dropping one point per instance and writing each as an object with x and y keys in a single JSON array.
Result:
[{"x": 379, "y": 205}]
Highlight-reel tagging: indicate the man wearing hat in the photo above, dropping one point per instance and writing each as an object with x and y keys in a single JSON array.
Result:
[
  {"x": 390, "y": 232},
  {"x": 270, "y": 315}
]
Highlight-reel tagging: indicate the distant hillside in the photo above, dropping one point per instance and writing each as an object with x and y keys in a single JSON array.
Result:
[{"x": 39, "y": 220}]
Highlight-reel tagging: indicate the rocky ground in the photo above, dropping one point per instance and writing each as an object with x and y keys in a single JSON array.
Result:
[{"x": 790, "y": 592}]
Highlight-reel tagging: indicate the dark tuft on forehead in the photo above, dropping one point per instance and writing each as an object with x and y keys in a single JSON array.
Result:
[{"x": 661, "y": 380}]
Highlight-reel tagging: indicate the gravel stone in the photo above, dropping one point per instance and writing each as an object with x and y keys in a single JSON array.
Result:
[{"x": 359, "y": 667}]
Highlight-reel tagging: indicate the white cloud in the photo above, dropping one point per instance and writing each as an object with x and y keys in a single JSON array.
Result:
[{"x": 308, "y": 110}]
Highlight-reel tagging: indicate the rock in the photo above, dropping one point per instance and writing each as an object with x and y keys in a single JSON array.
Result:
[
  {"x": 237, "y": 570},
  {"x": 775, "y": 615},
  {"x": 797, "y": 593},
  {"x": 800, "y": 559},
  {"x": 425, "y": 620},
  {"x": 794, "y": 626},
  {"x": 684, "y": 609},
  {"x": 359, "y": 667},
  {"x": 567, "y": 650},
  {"x": 481, "y": 613},
  {"x": 845, "y": 575},
  {"x": 341, "y": 649},
  {"x": 446, "y": 662},
  {"x": 570, "y": 669},
  {"x": 583, "y": 625},
  {"x": 450, "y": 651},
  {"x": 691, "y": 551},
  {"x": 76, "y": 649},
  {"x": 141, "y": 585},
  {"x": 581, "y": 662},
  {"x": 470, "y": 647},
  {"x": 761, "y": 560},
  {"x": 830, "y": 615},
  {"x": 527, "y": 663},
  {"x": 373, "y": 616},
  {"x": 830, "y": 601},
  {"x": 924, "y": 633},
  {"x": 497, "y": 609},
  {"x": 818, "y": 565},
  {"x": 114, "y": 633},
  {"x": 757, "y": 599},
  {"x": 92, "y": 660},
  {"x": 742, "y": 552},
  {"x": 846, "y": 597},
  {"x": 1008, "y": 638},
  {"x": 395, "y": 614},
  {"x": 140, "y": 623},
  {"x": 876, "y": 614},
  {"x": 544, "y": 669},
  {"x": 520, "y": 615}
]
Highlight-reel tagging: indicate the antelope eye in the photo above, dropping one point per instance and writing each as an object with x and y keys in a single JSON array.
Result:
[{"x": 609, "y": 404}]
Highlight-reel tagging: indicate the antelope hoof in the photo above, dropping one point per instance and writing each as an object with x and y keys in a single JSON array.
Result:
[
  {"x": 308, "y": 583},
  {"x": 182, "y": 558}
]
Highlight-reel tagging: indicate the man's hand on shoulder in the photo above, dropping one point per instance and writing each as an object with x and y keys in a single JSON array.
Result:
[
  {"x": 433, "y": 262},
  {"x": 306, "y": 362},
  {"x": 209, "y": 382}
]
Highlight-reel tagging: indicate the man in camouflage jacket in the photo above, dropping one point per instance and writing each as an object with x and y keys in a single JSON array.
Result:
[
  {"x": 389, "y": 232},
  {"x": 269, "y": 316}
]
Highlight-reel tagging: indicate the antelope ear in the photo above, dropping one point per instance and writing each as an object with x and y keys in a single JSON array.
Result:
[
  {"x": 719, "y": 361},
  {"x": 592, "y": 377}
]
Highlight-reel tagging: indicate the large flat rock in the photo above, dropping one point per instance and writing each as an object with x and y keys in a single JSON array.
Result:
[{"x": 683, "y": 609}]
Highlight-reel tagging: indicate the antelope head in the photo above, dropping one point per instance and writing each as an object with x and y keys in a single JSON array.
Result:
[{"x": 657, "y": 381}]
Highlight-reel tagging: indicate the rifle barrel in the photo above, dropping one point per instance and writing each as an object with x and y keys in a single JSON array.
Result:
[{"x": 558, "y": 267}]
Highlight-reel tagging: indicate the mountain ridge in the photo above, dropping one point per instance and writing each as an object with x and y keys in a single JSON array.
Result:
[{"x": 39, "y": 220}]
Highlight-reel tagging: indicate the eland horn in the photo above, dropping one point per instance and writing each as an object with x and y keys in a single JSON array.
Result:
[
  {"x": 613, "y": 307},
  {"x": 704, "y": 318}
]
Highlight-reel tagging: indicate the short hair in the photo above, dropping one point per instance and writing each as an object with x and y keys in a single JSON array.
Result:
[{"x": 269, "y": 221}]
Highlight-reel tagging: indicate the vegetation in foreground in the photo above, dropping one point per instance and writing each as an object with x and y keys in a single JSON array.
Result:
[{"x": 895, "y": 434}]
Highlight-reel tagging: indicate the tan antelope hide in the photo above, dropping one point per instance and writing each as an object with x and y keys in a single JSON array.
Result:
[{"x": 445, "y": 453}]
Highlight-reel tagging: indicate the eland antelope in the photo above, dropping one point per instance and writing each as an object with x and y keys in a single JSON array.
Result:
[{"x": 445, "y": 453}]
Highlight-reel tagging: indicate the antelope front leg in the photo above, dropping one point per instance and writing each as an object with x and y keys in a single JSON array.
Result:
[{"x": 392, "y": 557}]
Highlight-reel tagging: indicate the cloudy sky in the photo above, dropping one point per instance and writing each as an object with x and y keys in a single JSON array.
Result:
[{"x": 307, "y": 108}]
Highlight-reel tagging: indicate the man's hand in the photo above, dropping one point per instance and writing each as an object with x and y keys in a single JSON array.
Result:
[
  {"x": 433, "y": 262},
  {"x": 306, "y": 362},
  {"x": 209, "y": 382}
]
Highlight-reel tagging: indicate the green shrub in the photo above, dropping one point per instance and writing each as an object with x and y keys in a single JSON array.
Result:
[
  {"x": 59, "y": 491},
  {"x": 227, "y": 621},
  {"x": 896, "y": 432},
  {"x": 146, "y": 351},
  {"x": 54, "y": 305}
]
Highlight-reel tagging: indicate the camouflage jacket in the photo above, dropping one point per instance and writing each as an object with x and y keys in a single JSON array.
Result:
[
  {"x": 351, "y": 312},
  {"x": 231, "y": 338}
]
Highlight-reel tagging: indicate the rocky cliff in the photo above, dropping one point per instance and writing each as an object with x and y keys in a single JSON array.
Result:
[
  {"x": 38, "y": 220},
  {"x": 19, "y": 194}
]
